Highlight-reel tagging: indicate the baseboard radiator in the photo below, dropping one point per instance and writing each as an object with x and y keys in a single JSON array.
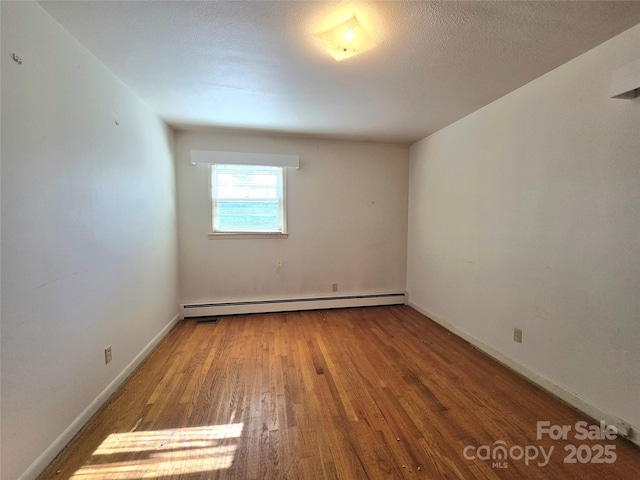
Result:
[{"x": 291, "y": 304}]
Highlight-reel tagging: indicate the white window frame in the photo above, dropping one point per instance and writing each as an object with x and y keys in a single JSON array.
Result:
[{"x": 249, "y": 234}]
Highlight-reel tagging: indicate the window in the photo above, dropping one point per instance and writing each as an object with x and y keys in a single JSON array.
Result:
[{"x": 248, "y": 199}]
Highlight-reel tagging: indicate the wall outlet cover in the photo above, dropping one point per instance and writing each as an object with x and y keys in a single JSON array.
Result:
[{"x": 517, "y": 335}]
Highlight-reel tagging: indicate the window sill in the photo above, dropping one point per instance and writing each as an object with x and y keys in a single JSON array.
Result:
[{"x": 246, "y": 235}]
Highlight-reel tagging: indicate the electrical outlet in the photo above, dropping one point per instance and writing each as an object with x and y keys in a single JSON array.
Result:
[
  {"x": 334, "y": 287},
  {"x": 107, "y": 354},
  {"x": 517, "y": 335},
  {"x": 624, "y": 429}
]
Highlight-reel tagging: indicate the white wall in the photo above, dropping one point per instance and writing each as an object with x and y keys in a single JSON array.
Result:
[
  {"x": 89, "y": 240},
  {"x": 526, "y": 214},
  {"x": 347, "y": 222}
]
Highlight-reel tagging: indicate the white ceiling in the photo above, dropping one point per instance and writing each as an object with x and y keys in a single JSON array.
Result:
[{"x": 255, "y": 64}]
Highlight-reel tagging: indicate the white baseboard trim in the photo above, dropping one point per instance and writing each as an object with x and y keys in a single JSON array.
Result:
[
  {"x": 291, "y": 304},
  {"x": 571, "y": 398},
  {"x": 56, "y": 447}
]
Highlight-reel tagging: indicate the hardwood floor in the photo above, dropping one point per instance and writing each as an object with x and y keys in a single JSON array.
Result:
[{"x": 363, "y": 393}]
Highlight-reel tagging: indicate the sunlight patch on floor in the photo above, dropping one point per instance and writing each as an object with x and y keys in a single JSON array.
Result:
[{"x": 163, "y": 453}]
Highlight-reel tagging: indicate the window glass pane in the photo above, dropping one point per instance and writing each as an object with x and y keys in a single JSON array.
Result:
[
  {"x": 248, "y": 182},
  {"x": 247, "y": 198},
  {"x": 235, "y": 216}
]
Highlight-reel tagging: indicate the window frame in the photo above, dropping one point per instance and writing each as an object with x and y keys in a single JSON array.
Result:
[{"x": 213, "y": 234}]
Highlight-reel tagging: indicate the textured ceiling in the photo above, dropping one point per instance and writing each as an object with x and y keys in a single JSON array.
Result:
[{"x": 255, "y": 64}]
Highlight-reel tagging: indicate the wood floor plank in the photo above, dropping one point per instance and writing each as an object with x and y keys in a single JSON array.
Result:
[{"x": 371, "y": 393}]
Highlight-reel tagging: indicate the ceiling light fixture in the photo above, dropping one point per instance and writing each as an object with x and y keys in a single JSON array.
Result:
[{"x": 346, "y": 40}]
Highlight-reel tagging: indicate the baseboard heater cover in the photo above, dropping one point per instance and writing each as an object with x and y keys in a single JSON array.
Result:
[{"x": 291, "y": 304}]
